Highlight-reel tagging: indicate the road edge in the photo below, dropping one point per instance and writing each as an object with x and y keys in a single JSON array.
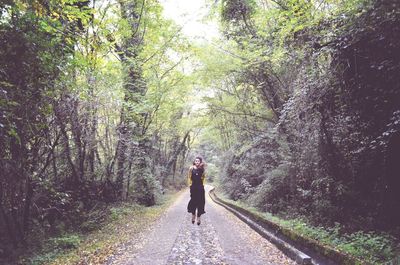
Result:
[
  {"x": 289, "y": 250},
  {"x": 321, "y": 254}
]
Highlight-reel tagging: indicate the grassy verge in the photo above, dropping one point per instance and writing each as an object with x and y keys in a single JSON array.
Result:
[
  {"x": 124, "y": 221},
  {"x": 369, "y": 246}
]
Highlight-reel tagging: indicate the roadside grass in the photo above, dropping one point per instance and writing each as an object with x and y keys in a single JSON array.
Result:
[
  {"x": 373, "y": 247},
  {"x": 123, "y": 222}
]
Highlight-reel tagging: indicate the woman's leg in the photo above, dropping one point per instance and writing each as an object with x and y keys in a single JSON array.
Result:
[
  {"x": 200, "y": 206},
  {"x": 191, "y": 208},
  {"x": 201, "y": 203},
  {"x": 199, "y": 213}
]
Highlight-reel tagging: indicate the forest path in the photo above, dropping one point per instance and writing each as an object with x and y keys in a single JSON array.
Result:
[{"x": 221, "y": 238}]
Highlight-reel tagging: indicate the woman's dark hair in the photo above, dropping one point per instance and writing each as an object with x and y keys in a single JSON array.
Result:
[{"x": 199, "y": 158}]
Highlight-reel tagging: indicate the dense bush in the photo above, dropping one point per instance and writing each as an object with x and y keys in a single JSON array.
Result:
[{"x": 330, "y": 155}]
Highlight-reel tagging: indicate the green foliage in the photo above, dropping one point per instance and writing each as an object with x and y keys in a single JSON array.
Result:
[
  {"x": 237, "y": 15},
  {"x": 93, "y": 103},
  {"x": 66, "y": 242},
  {"x": 297, "y": 110},
  {"x": 118, "y": 212},
  {"x": 45, "y": 258},
  {"x": 317, "y": 136},
  {"x": 370, "y": 247},
  {"x": 325, "y": 73},
  {"x": 373, "y": 247},
  {"x": 267, "y": 195},
  {"x": 146, "y": 189},
  {"x": 56, "y": 247}
]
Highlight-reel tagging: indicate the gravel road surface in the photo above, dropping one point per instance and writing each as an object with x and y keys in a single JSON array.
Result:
[{"x": 221, "y": 238}]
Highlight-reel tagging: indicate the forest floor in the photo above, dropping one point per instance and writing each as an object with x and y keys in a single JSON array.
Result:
[
  {"x": 164, "y": 234},
  {"x": 221, "y": 238},
  {"x": 126, "y": 222}
]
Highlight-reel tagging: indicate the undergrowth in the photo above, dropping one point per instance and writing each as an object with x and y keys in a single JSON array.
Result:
[
  {"x": 99, "y": 236},
  {"x": 373, "y": 247}
]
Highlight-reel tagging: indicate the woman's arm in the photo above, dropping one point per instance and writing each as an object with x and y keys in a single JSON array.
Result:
[
  {"x": 190, "y": 176},
  {"x": 203, "y": 177}
]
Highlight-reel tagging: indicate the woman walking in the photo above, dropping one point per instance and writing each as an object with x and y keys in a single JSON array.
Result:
[{"x": 196, "y": 178}]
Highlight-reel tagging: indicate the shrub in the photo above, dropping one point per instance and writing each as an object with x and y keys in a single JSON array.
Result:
[{"x": 66, "y": 241}]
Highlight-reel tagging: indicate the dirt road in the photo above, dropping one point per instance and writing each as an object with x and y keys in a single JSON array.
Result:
[{"x": 220, "y": 239}]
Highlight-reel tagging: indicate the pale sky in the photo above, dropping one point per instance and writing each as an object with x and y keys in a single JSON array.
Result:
[{"x": 190, "y": 14}]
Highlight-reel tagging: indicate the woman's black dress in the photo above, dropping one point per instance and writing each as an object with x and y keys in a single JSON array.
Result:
[{"x": 197, "y": 197}]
